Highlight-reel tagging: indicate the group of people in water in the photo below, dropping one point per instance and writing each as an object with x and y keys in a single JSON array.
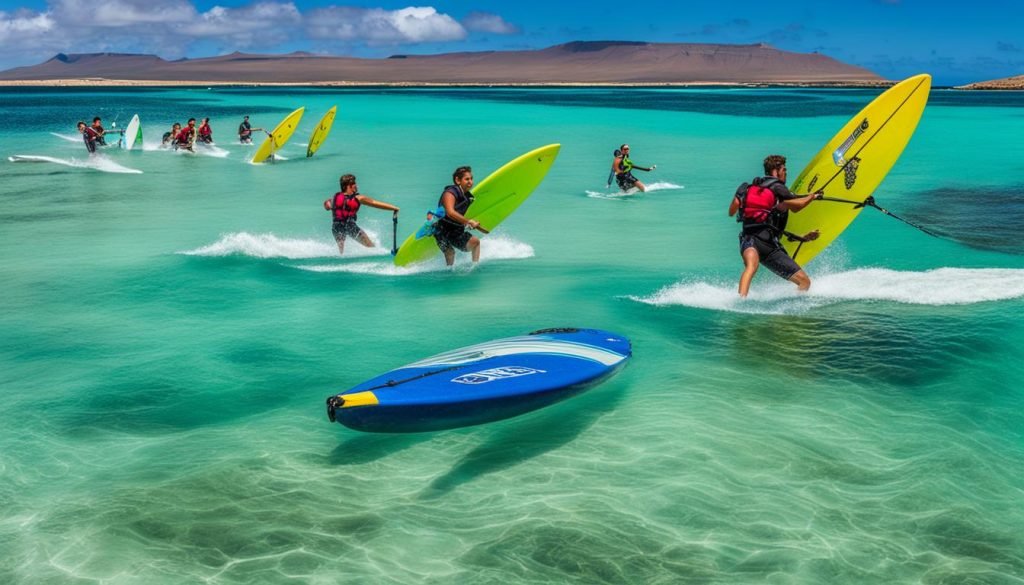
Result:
[
  {"x": 178, "y": 137},
  {"x": 762, "y": 206},
  {"x": 185, "y": 138},
  {"x": 450, "y": 226}
]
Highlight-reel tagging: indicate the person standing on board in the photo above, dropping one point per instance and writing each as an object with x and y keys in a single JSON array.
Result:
[
  {"x": 187, "y": 137},
  {"x": 763, "y": 206},
  {"x": 245, "y": 131},
  {"x": 90, "y": 136},
  {"x": 205, "y": 132},
  {"x": 623, "y": 167},
  {"x": 97, "y": 127},
  {"x": 450, "y": 231},
  {"x": 170, "y": 136},
  {"x": 344, "y": 206}
]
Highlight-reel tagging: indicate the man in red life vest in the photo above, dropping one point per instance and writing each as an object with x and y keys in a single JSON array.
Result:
[
  {"x": 205, "y": 132},
  {"x": 763, "y": 206},
  {"x": 101, "y": 133},
  {"x": 344, "y": 206},
  {"x": 187, "y": 137},
  {"x": 90, "y": 136}
]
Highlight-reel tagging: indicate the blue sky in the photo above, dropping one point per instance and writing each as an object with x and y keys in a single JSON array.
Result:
[{"x": 955, "y": 42}]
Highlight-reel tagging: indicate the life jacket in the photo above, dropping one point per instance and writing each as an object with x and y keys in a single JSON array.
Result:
[
  {"x": 462, "y": 202},
  {"x": 346, "y": 208},
  {"x": 758, "y": 204},
  {"x": 626, "y": 165}
]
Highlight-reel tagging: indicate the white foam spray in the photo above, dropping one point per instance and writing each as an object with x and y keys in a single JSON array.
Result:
[
  {"x": 615, "y": 193},
  {"x": 97, "y": 163},
  {"x": 272, "y": 246},
  {"x": 492, "y": 248},
  {"x": 942, "y": 286},
  {"x": 67, "y": 137}
]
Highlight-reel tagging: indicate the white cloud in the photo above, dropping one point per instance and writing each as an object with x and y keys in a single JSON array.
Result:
[
  {"x": 376, "y": 26},
  {"x": 23, "y": 25},
  {"x": 121, "y": 13},
  {"x": 488, "y": 22},
  {"x": 172, "y": 28},
  {"x": 263, "y": 22}
]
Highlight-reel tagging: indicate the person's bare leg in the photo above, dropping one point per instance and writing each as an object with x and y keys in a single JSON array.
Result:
[
  {"x": 801, "y": 280},
  {"x": 641, "y": 186},
  {"x": 341, "y": 245},
  {"x": 474, "y": 246},
  {"x": 364, "y": 239},
  {"x": 751, "y": 260},
  {"x": 449, "y": 256}
]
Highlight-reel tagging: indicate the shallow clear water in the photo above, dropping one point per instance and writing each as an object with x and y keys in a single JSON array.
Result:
[{"x": 167, "y": 339}]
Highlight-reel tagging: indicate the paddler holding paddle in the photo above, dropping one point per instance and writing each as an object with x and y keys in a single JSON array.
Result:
[
  {"x": 450, "y": 231},
  {"x": 622, "y": 169},
  {"x": 344, "y": 207}
]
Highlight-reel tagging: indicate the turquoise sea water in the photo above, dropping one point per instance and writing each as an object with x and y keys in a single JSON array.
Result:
[{"x": 167, "y": 340}]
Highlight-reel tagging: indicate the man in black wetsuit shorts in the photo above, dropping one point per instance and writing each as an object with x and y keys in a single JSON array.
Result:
[
  {"x": 763, "y": 206},
  {"x": 451, "y": 232}
]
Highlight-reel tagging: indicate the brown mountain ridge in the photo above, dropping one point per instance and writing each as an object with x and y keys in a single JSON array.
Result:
[{"x": 579, "y": 62}]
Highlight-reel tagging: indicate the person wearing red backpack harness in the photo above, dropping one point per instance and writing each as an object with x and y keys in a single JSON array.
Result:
[
  {"x": 187, "y": 137},
  {"x": 344, "y": 206},
  {"x": 205, "y": 132},
  {"x": 763, "y": 207}
]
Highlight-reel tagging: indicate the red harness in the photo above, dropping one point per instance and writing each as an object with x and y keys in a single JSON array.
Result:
[{"x": 345, "y": 209}]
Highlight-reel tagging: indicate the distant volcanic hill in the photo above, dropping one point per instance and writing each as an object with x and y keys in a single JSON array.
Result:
[{"x": 581, "y": 62}]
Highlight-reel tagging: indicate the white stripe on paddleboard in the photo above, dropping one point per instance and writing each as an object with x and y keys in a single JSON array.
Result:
[{"x": 522, "y": 345}]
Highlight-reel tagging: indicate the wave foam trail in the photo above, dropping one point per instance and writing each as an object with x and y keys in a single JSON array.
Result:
[
  {"x": 212, "y": 150},
  {"x": 491, "y": 249},
  {"x": 615, "y": 193},
  {"x": 97, "y": 163},
  {"x": 271, "y": 246},
  {"x": 662, "y": 186},
  {"x": 942, "y": 286},
  {"x": 67, "y": 137}
]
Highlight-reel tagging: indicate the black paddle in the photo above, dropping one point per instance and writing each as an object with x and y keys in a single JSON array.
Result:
[{"x": 394, "y": 233}]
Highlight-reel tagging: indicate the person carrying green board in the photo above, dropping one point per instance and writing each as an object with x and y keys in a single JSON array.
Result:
[
  {"x": 450, "y": 230},
  {"x": 763, "y": 207},
  {"x": 344, "y": 206}
]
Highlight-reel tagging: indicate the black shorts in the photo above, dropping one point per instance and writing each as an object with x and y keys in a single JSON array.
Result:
[
  {"x": 451, "y": 237},
  {"x": 343, "y": 229},
  {"x": 626, "y": 181},
  {"x": 771, "y": 253}
]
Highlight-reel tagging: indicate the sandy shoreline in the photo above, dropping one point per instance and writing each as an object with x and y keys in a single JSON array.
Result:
[{"x": 100, "y": 82}]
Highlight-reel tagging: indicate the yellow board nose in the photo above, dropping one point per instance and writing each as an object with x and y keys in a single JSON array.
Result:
[{"x": 359, "y": 399}]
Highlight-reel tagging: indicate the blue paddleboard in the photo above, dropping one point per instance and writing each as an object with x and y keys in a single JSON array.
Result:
[{"x": 482, "y": 383}]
